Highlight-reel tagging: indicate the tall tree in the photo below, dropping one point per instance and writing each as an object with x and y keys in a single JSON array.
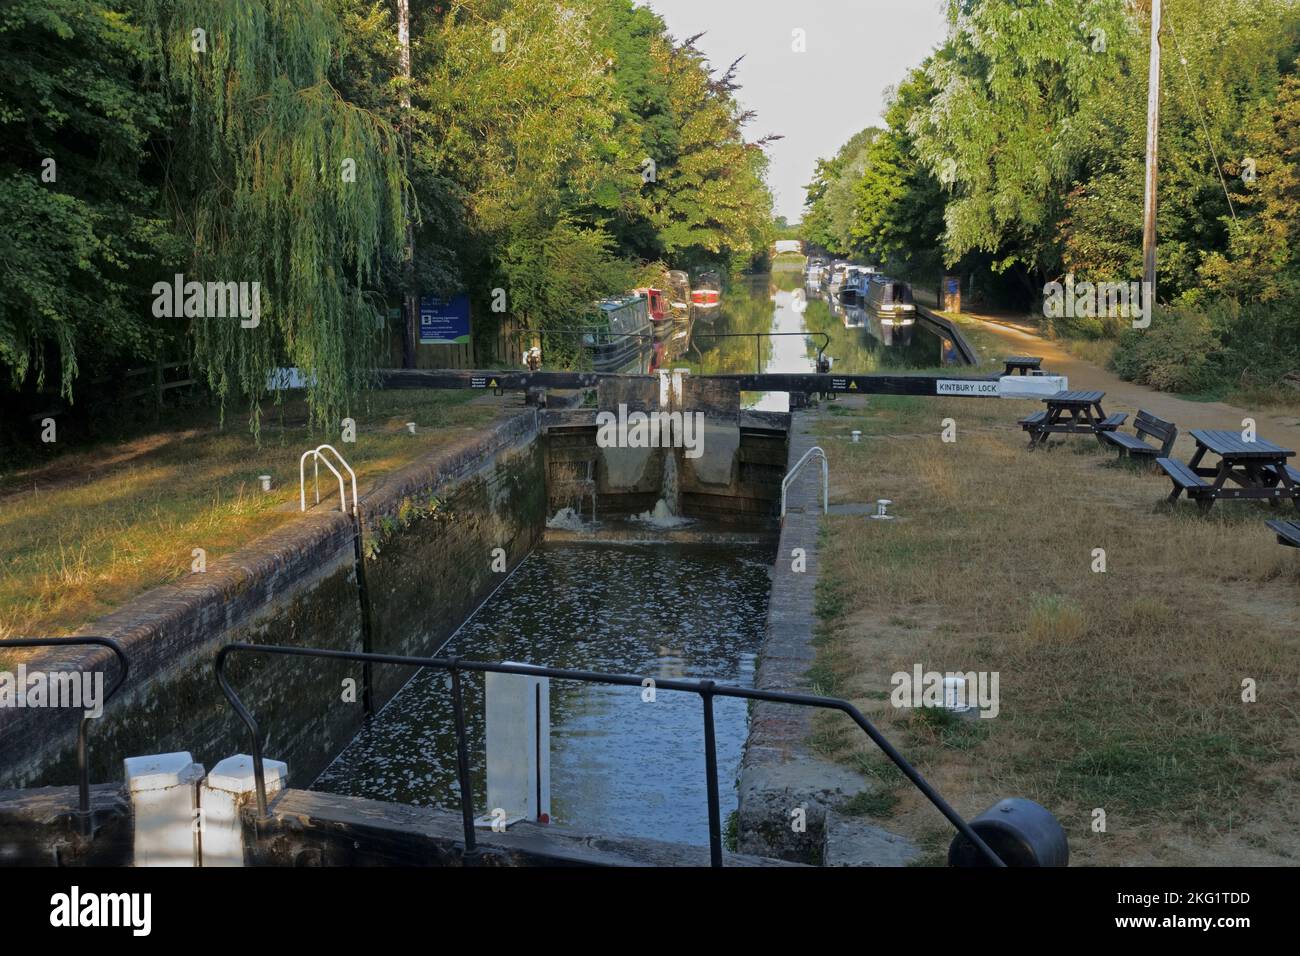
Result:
[
  {"x": 273, "y": 177},
  {"x": 1003, "y": 129},
  {"x": 898, "y": 204}
]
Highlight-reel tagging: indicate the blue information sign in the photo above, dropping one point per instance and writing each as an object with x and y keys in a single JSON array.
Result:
[{"x": 444, "y": 321}]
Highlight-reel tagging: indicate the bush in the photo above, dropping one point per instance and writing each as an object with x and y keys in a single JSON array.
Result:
[
  {"x": 1213, "y": 345},
  {"x": 1175, "y": 354}
]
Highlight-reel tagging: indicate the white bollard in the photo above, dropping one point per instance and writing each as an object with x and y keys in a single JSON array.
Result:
[
  {"x": 164, "y": 801},
  {"x": 954, "y": 695},
  {"x": 518, "y": 732},
  {"x": 229, "y": 786}
]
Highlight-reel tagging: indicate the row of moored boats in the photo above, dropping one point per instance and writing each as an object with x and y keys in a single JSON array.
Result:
[
  {"x": 639, "y": 332},
  {"x": 862, "y": 286}
]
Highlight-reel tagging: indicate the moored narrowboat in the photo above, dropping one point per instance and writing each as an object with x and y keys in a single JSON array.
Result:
[
  {"x": 679, "y": 294},
  {"x": 891, "y": 297},
  {"x": 706, "y": 296},
  {"x": 657, "y": 305},
  {"x": 621, "y": 337}
]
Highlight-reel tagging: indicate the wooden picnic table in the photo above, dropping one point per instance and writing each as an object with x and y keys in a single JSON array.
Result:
[
  {"x": 1071, "y": 413},
  {"x": 1257, "y": 468},
  {"x": 1022, "y": 364}
]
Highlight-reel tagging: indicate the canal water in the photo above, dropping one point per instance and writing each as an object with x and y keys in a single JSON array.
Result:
[
  {"x": 619, "y": 765},
  {"x": 859, "y": 341}
]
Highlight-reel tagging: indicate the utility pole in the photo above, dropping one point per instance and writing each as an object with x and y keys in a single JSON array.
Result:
[
  {"x": 1153, "y": 142},
  {"x": 411, "y": 313}
]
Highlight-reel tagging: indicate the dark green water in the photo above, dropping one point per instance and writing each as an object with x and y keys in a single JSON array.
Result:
[{"x": 619, "y": 765}]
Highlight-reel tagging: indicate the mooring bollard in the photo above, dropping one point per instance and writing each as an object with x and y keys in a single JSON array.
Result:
[
  {"x": 954, "y": 695},
  {"x": 164, "y": 803},
  {"x": 882, "y": 510},
  {"x": 410, "y": 427},
  {"x": 266, "y": 482},
  {"x": 857, "y": 436}
]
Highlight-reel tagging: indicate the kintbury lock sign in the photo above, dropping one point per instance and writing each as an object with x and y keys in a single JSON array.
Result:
[{"x": 966, "y": 387}]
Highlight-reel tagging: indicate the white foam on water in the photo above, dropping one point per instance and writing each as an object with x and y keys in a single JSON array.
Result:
[
  {"x": 665, "y": 513},
  {"x": 662, "y": 516},
  {"x": 566, "y": 519}
]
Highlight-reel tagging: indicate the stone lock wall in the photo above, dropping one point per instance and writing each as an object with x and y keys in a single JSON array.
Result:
[{"x": 429, "y": 531}]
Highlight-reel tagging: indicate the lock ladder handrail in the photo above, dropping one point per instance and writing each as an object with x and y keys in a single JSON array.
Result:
[
  {"x": 317, "y": 455},
  {"x": 817, "y": 451}
]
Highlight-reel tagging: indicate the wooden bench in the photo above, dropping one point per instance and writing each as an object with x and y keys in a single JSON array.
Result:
[
  {"x": 1147, "y": 425},
  {"x": 1031, "y": 423},
  {"x": 1022, "y": 364},
  {"x": 1185, "y": 479},
  {"x": 1288, "y": 532},
  {"x": 1111, "y": 422}
]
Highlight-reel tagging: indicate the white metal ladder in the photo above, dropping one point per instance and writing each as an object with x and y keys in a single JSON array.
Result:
[
  {"x": 317, "y": 455},
  {"x": 815, "y": 451}
]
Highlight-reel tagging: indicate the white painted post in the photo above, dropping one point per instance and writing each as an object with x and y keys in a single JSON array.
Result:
[
  {"x": 229, "y": 786},
  {"x": 164, "y": 799},
  {"x": 518, "y": 731}
]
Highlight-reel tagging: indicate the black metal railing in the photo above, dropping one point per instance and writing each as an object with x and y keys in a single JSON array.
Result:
[
  {"x": 758, "y": 343},
  {"x": 706, "y": 689},
  {"x": 83, "y": 764}
]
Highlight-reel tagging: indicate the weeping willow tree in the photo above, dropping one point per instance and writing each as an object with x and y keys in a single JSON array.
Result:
[{"x": 274, "y": 177}]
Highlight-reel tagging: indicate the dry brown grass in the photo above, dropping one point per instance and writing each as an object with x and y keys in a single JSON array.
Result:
[
  {"x": 93, "y": 529},
  {"x": 1119, "y": 690}
]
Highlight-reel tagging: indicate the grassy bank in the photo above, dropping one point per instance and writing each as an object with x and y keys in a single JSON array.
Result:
[
  {"x": 1120, "y": 691},
  {"x": 82, "y": 535}
]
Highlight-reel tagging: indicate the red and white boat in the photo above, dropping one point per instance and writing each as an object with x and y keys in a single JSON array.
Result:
[
  {"x": 706, "y": 296},
  {"x": 660, "y": 316}
]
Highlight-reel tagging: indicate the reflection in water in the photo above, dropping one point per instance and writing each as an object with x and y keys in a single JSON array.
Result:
[
  {"x": 618, "y": 765},
  {"x": 861, "y": 341}
]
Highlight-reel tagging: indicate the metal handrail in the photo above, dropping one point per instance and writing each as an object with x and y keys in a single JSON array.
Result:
[
  {"x": 592, "y": 330},
  {"x": 317, "y": 457},
  {"x": 706, "y": 689},
  {"x": 793, "y": 472},
  {"x": 344, "y": 463},
  {"x": 83, "y": 765}
]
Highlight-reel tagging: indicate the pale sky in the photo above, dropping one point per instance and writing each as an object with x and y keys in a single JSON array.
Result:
[{"x": 817, "y": 99}]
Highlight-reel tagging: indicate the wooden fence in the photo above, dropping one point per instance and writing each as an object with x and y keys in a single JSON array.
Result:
[{"x": 502, "y": 348}]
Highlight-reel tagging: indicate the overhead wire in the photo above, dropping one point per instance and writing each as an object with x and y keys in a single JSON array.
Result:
[{"x": 1209, "y": 140}]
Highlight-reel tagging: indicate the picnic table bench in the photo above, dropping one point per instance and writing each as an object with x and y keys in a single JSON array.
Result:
[
  {"x": 1288, "y": 532},
  {"x": 1070, "y": 413},
  {"x": 1257, "y": 468},
  {"x": 1022, "y": 364},
  {"x": 1146, "y": 424}
]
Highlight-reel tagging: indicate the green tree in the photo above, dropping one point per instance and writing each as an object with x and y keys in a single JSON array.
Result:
[
  {"x": 830, "y": 200},
  {"x": 711, "y": 201},
  {"x": 274, "y": 177},
  {"x": 898, "y": 205},
  {"x": 75, "y": 196},
  {"x": 1004, "y": 127}
]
